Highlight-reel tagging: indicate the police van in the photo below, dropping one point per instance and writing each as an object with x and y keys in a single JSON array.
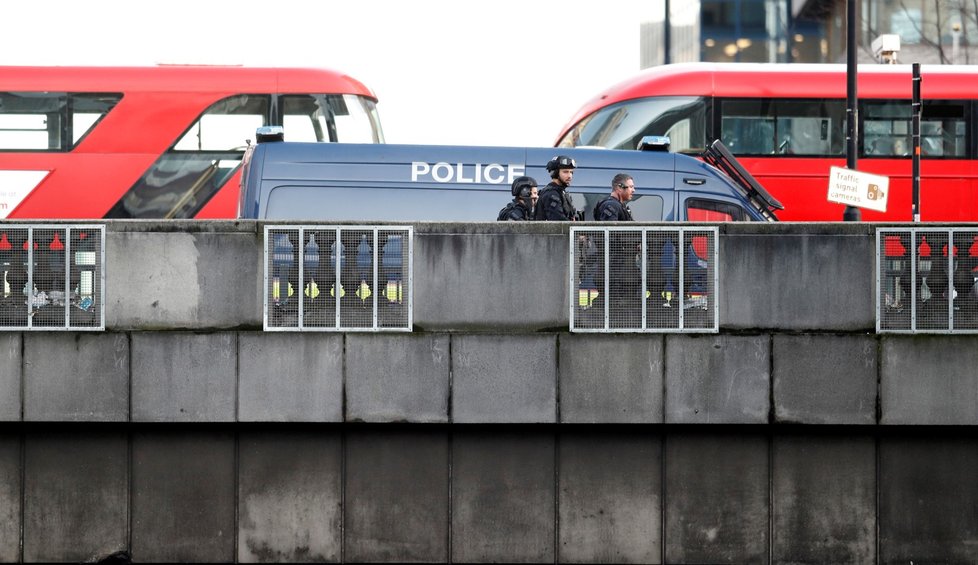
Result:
[{"x": 385, "y": 182}]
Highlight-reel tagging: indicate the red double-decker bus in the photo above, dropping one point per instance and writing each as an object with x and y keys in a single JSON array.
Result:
[
  {"x": 787, "y": 125},
  {"x": 160, "y": 141}
]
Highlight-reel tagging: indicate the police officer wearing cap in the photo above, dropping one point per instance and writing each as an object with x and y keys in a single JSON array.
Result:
[
  {"x": 554, "y": 202},
  {"x": 524, "y": 191}
]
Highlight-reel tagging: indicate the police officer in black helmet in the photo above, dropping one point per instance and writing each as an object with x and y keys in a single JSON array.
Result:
[
  {"x": 524, "y": 191},
  {"x": 554, "y": 202}
]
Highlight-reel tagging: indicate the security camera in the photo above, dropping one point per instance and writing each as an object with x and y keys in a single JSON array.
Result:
[{"x": 886, "y": 47}]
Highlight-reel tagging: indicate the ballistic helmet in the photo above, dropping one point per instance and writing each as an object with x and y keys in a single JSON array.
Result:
[
  {"x": 560, "y": 162},
  {"x": 523, "y": 186}
]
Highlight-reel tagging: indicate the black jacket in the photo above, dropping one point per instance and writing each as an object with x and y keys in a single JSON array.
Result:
[
  {"x": 611, "y": 210},
  {"x": 555, "y": 204},
  {"x": 515, "y": 211}
]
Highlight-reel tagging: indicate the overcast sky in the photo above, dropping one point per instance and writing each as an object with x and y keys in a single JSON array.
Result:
[{"x": 495, "y": 72}]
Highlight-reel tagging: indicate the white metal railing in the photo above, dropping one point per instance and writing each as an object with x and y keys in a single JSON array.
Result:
[
  {"x": 644, "y": 279},
  {"x": 338, "y": 278},
  {"x": 927, "y": 280},
  {"x": 52, "y": 277}
]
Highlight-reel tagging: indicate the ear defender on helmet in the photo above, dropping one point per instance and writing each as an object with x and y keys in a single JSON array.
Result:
[
  {"x": 523, "y": 186},
  {"x": 560, "y": 162}
]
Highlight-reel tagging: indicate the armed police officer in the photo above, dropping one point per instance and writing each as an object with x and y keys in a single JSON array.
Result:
[
  {"x": 524, "y": 191},
  {"x": 555, "y": 204},
  {"x": 614, "y": 208},
  {"x": 624, "y": 247}
]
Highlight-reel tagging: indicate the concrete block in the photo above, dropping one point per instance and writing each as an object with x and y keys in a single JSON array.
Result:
[
  {"x": 504, "y": 378},
  {"x": 289, "y": 497},
  {"x": 477, "y": 277},
  {"x": 76, "y": 495},
  {"x": 189, "y": 275},
  {"x": 10, "y": 497},
  {"x": 183, "y": 377},
  {"x": 183, "y": 496},
  {"x": 503, "y": 489},
  {"x": 797, "y": 278},
  {"x": 825, "y": 379},
  {"x": 928, "y": 498},
  {"x": 391, "y": 378},
  {"x": 610, "y": 502},
  {"x": 396, "y": 496},
  {"x": 76, "y": 377},
  {"x": 716, "y": 498},
  {"x": 611, "y": 379},
  {"x": 717, "y": 379},
  {"x": 290, "y": 377},
  {"x": 824, "y": 499},
  {"x": 11, "y": 361},
  {"x": 929, "y": 380}
]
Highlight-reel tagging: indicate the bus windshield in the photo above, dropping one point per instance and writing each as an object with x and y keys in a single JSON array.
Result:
[{"x": 623, "y": 125}]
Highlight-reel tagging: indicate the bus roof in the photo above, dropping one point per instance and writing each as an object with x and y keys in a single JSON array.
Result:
[
  {"x": 181, "y": 78},
  {"x": 782, "y": 80}
]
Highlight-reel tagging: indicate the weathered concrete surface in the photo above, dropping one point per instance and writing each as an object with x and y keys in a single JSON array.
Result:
[
  {"x": 503, "y": 497},
  {"x": 504, "y": 378},
  {"x": 183, "y": 377},
  {"x": 610, "y": 497},
  {"x": 717, "y": 379},
  {"x": 476, "y": 276},
  {"x": 928, "y": 507},
  {"x": 76, "y": 495},
  {"x": 716, "y": 503},
  {"x": 10, "y": 376},
  {"x": 825, "y": 379},
  {"x": 929, "y": 380},
  {"x": 183, "y": 275},
  {"x": 10, "y": 497},
  {"x": 396, "y": 496},
  {"x": 80, "y": 377},
  {"x": 289, "y": 496},
  {"x": 397, "y": 378},
  {"x": 289, "y": 377},
  {"x": 183, "y": 496},
  {"x": 797, "y": 277},
  {"x": 824, "y": 499},
  {"x": 610, "y": 378}
]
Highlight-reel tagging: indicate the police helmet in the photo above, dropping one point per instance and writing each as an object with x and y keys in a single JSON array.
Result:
[
  {"x": 560, "y": 162},
  {"x": 523, "y": 186}
]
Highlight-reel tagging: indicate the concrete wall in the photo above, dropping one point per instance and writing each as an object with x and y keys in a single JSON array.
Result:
[{"x": 490, "y": 433}]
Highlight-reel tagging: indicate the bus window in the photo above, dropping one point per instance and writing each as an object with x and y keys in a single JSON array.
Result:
[
  {"x": 226, "y": 125},
  {"x": 36, "y": 121},
  {"x": 330, "y": 118},
  {"x": 887, "y": 128},
  {"x": 621, "y": 126},
  {"x": 782, "y": 127},
  {"x": 700, "y": 210}
]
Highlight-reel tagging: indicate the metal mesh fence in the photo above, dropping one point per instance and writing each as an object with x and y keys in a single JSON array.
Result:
[
  {"x": 333, "y": 278},
  {"x": 633, "y": 279},
  {"x": 52, "y": 277},
  {"x": 927, "y": 280}
]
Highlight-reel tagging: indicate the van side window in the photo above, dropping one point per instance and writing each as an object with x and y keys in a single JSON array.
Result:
[{"x": 699, "y": 210}]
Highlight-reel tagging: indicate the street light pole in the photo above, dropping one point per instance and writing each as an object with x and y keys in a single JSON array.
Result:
[{"x": 851, "y": 213}]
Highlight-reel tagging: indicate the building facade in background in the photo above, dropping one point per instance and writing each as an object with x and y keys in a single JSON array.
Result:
[{"x": 805, "y": 31}]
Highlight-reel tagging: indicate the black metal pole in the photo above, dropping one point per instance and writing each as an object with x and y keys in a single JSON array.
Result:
[
  {"x": 917, "y": 108},
  {"x": 667, "y": 37},
  {"x": 851, "y": 213}
]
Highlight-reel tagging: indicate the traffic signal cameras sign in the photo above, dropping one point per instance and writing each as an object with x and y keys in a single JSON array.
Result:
[{"x": 855, "y": 188}]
